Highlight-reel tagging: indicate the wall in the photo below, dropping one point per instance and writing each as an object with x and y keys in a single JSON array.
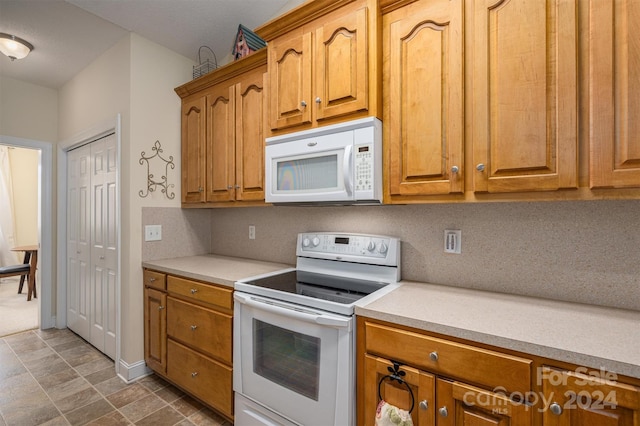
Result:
[
  {"x": 135, "y": 78},
  {"x": 584, "y": 252},
  {"x": 24, "y": 177}
]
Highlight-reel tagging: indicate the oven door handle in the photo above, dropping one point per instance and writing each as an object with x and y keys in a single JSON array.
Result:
[{"x": 301, "y": 313}]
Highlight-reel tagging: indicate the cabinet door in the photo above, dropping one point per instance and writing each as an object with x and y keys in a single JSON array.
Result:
[
  {"x": 423, "y": 88},
  {"x": 458, "y": 404},
  {"x": 193, "y": 150},
  {"x": 341, "y": 66},
  {"x": 422, "y": 385},
  {"x": 524, "y": 95},
  {"x": 220, "y": 143},
  {"x": 573, "y": 399},
  {"x": 250, "y": 124},
  {"x": 614, "y": 85},
  {"x": 290, "y": 80},
  {"x": 155, "y": 329}
]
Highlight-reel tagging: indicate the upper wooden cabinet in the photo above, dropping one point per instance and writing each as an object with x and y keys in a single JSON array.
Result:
[
  {"x": 423, "y": 91},
  {"x": 223, "y": 132},
  {"x": 524, "y": 95},
  {"x": 614, "y": 88},
  {"x": 323, "y": 63}
]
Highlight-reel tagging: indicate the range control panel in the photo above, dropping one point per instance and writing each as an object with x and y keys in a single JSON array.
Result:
[{"x": 363, "y": 248}]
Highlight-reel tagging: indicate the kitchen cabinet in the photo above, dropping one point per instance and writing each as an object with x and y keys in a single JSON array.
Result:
[
  {"x": 613, "y": 87},
  {"x": 524, "y": 95},
  {"x": 450, "y": 382},
  {"x": 223, "y": 132},
  {"x": 188, "y": 337},
  {"x": 155, "y": 321},
  {"x": 423, "y": 85},
  {"x": 324, "y": 64},
  {"x": 571, "y": 398}
]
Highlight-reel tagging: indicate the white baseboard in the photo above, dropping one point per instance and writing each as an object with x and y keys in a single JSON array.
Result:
[{"x": 131, "y": 372}]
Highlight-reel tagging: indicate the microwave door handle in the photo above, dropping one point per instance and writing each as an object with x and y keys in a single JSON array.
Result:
[
  {"x": 284, "y": 310},
  {"x": 347, "y": 169}
]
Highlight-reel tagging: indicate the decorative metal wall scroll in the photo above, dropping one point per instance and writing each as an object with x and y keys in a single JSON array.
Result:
[{"x": 163, "y": 183}]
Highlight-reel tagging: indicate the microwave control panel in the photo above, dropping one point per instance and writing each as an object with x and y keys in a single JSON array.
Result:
[{"x": 364, "y": 167}]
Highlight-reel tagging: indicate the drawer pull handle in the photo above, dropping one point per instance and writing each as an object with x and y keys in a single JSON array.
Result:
[
  {"x": 424, "y": 405},
  {"x": 160, "y": 307},
  {"x": 193, "y": 327},
  {"x": 194, "y": 290},
  {"x": 443, "y": 411},
  {"x": 194, "y": 374},
  {"x": 152, "y": 279},
  {"x": 555, "y": 408},
  {"x": 434, "y": 356}
]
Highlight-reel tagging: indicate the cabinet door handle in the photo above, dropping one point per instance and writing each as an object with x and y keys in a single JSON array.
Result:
[
  {"x": 480, "y": 167},
  {"x": 303, "y": 104},
  {"x": 193, "y": 327},
  {"x": 455, "y": 169},
  {"x": 160, "y": 307},
  {"x": 318, "y": 100},
  {"x": 194, "y": 374},
  {"x": 194, "y": 290},
  {"x": 555, "y": 408},
  {"x": 443, "y": 411},
  {"x": 424, "y": 405},
  {"x": 200, "y": 189},
  {"x": 434, "y": 356},
  {"x": 229, "y": 186}
]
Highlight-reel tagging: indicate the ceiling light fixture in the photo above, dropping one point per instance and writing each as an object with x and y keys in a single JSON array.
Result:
[{"x": 14, "y": 47}]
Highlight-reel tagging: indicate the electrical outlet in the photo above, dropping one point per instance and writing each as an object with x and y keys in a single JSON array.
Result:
[
  {"x": 252, "y": 232},
  {"x": 153, "y": 232},
  {"x": 452, "y": 241}
]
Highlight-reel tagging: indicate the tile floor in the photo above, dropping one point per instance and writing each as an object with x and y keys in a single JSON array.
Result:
[{"x": 53, "y": 377}]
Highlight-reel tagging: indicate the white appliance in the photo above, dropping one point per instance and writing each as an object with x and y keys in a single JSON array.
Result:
[
  {"x": 294, "y": 330},
  {"x": 341, "y": 164}
]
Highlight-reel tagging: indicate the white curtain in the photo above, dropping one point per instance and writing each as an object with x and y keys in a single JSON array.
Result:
[{"x": 7, "y": 240}]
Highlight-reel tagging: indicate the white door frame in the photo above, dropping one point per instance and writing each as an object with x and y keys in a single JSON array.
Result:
[
  {"x": 84, "y": 137},
  {"x": 45, "y": 199}
]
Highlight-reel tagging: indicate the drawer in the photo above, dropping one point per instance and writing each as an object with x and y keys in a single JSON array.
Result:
[
  {"x": 154, "y": 279},
  {"x": 468, "y": 363},
  {"x": 203, "y": 329},
  {"x": 201, "y": 292},
  {"x": 203, "y": 377}
]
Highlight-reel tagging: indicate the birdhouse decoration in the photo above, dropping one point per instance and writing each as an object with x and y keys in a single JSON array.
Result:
[{"x": 246, "y": 43}]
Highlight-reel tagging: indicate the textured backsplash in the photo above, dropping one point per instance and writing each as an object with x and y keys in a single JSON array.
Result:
[{"x": 579, "y": 251}]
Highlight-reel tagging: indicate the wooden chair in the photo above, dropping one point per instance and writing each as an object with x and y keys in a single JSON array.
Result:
[{"x": 22, "y": 270}]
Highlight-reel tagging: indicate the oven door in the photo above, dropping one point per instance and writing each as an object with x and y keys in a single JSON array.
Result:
[
  {"x": 296, "y": 361},
  {"x": 315, "y": 169}
]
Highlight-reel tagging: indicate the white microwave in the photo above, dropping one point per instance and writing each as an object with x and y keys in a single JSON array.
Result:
[{"x": 340, "y": 164}]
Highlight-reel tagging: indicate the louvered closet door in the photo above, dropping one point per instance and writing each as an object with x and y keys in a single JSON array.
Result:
[{"x": 92, "y": 250}]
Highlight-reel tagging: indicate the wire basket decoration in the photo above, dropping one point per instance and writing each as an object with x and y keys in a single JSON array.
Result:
[{"x": 205, "y": 66}]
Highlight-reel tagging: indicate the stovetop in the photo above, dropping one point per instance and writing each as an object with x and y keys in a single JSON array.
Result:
[{"x": 334, "y": 271}]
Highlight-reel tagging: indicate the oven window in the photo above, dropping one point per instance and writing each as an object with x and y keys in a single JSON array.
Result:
[
  {"x": 308, "y": 173},
  {"x": 287, "y": 358}
]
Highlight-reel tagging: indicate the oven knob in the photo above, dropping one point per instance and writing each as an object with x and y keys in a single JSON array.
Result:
[
  {"x": 306, "y": 242},
  {"x": 383, "y": 248},
  {"x": 371, "y": 246},
  {"x": 315, "y": 241}
]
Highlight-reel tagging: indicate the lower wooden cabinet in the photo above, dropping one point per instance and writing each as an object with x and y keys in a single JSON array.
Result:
[{"x": 188, "y": 337}]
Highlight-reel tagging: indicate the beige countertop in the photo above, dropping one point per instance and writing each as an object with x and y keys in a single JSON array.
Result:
[
  {"x": 581, "y": 334},
  {"x": 214, "y": 268}
]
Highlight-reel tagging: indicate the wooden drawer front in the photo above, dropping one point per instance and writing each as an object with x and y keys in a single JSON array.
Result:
[
  {"x": 155, "y": 279},
  {"x": 475, "y": 365},
  {"x": 203, "y": 329},
  {"x": 201, "y": 292},
  {"x": 203, "y": 377}
]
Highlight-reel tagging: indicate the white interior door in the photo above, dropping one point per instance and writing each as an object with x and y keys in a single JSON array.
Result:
[
  {"x": 78, "y": 236},
  {"x": 94, "y": 292}
]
